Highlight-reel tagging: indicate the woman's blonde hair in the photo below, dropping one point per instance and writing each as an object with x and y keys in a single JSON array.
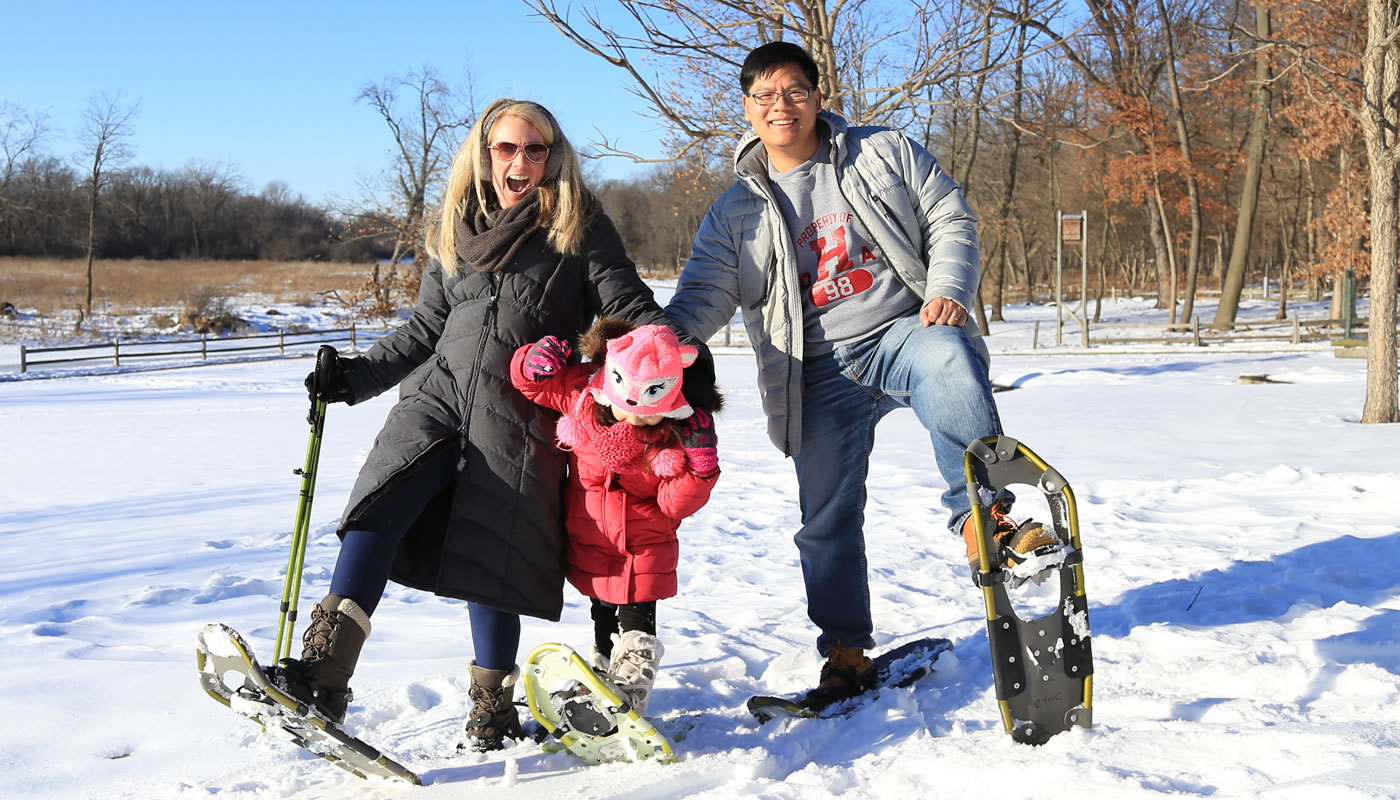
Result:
[{"x": 565, "y": 203}]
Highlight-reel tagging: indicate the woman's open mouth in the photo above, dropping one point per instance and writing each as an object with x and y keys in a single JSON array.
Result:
[{"x": 517, "y": 183}]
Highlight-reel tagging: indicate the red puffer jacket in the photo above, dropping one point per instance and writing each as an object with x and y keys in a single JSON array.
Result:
[{"x": 622, "y": 545}]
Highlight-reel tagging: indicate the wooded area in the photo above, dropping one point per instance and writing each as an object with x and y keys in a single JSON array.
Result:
[{"x": 1213, "y": 143}]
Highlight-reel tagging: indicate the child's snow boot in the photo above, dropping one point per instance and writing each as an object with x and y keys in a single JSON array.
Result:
[
  {"x": 597, "y": 660},
  {"x": 635, "y": 658},
  {"x": 330, "y": 648},
  {"x": 493, "y": 717}
]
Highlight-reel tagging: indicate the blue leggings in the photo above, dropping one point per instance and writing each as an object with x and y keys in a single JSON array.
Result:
[{"x": 362, "y": 572}]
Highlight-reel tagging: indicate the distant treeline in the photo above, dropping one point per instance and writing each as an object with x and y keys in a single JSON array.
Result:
[{"x": 190, "y": 213}]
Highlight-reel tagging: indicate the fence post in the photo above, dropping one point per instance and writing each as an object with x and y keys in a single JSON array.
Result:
[
  {"x": 1035, "y": 335},
  {"x": 1348, "y": 292},
  {"x": 116, "y": 354},
  {"x": 1196, "y": 330},
  {"x": 1084, "y": 328},
  {"x": 204, "y": 347},
  {"x": 23, "y": 365},
  {"x": 1297, "y": 329},
  {"x": 281, "y": 342},
  {"x": 354, "y": 347}
]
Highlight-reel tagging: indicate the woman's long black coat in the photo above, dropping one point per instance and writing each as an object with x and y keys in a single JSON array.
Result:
[{"x": 496, "y": 536}]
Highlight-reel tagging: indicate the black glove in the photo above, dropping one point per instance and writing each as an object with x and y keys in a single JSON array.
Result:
[{"x": 335, "y": 382}]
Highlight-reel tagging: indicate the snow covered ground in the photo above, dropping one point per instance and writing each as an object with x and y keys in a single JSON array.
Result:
[{"x": 1241, "y": 543}]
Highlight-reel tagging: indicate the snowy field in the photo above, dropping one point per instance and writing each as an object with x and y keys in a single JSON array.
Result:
[{"x": 1241, "y": 548}]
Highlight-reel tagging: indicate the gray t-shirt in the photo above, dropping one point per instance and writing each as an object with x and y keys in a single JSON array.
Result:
[{"x": 848, "y": 290}]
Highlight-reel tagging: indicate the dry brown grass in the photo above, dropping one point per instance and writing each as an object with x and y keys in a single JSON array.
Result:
[{"x": 129, "y": 286}]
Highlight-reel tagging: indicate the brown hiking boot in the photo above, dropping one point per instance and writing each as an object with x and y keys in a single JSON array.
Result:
[
  {"x": 848, "y": 671},
  {"x": 1009, "y": 540},
  {"x": 330, "y": 648},
  {"x": 493, "y": 717}
]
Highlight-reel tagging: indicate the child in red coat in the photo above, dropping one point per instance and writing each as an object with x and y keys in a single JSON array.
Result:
[{"x": 641, "y": 460}]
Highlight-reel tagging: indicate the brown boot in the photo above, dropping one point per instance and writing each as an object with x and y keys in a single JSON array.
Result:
[
  {"x": 1009, "y": 540},
  {"x": 493, "y": 717},
  {"x": 846, "y": 673},
  {"x": 330, "y": 648}
]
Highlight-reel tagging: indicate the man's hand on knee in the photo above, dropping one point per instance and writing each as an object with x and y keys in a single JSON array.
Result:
[{"x": 942, "y": 311}]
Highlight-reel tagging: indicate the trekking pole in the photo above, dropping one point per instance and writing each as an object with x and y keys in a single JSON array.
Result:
[{"x": 291, "y": 586}]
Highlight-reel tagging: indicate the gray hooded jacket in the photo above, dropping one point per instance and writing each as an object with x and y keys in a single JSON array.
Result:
[{"x": 742, "y": 256}]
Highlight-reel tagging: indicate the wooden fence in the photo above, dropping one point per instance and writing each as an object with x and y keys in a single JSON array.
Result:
[
  {"x": 1292, "y": 331},
  {"x": 206, "y": 349},
  {"x": 203, "y": 349}
]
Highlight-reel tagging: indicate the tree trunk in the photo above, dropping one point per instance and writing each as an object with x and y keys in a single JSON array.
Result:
[
  {"x": 91, "y": 240},
  {"x": 1162, "y": 259},
  {"x": 1012, "y": 165},
  {"x": 1381, "y": 85},
  {"x": 1285, "y": 277},
  {"x": 1232, "y": 285},
  {"x": 1169, "y": 239},
  {"x": 1193, "y": 256}
]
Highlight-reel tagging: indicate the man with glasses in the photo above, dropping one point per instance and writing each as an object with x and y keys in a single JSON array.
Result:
[{"x": 854, "y": 260}]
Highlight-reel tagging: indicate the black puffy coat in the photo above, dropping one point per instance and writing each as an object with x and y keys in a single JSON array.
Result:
[{"x": 495, "y": 537}]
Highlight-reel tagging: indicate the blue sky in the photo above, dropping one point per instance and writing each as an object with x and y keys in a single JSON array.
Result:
[{"x": 269, "y": 88}]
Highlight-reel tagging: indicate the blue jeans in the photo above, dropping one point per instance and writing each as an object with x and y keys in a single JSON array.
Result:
[{"x": 938, "y": 373}]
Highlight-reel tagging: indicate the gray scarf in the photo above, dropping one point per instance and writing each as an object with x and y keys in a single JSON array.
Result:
[{"x": 489, "y": 240}]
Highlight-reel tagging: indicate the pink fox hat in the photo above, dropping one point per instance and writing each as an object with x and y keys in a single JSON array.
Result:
[{"x": 642, "y": 373}]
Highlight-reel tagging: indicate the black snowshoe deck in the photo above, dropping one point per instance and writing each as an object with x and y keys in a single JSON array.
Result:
[
  {"x": 1043, "y": 668},
  {"x": 894, "y": 668}
]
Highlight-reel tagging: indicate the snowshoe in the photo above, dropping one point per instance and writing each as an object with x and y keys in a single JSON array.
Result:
[
  {"x": 222, "y": 652},
  {"x": 584, "y": 711},
  {"x": 895, "y": 668},
  {"x": 1043, "y": 667}
]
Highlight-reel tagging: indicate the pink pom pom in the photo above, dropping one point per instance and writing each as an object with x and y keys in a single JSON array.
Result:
[
  {"x": 668, "y": 463},
  {"x": 569, "y": 433}
]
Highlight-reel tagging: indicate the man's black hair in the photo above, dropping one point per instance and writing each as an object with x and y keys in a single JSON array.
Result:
[{"x": 766, "y": 58}]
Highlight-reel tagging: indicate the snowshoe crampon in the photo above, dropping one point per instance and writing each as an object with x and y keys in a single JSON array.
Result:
[
  {"x": 229, "y": 673},
  {"x": 584, "y": 711},
  {"x": 898, "y": 667},
  {"x": 1043, "y": 667}
]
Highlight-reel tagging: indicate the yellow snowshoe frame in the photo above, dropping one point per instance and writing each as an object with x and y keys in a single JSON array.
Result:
[
  {"x": 1043, "y": 668},
  {"x": 632, "y": 737}
]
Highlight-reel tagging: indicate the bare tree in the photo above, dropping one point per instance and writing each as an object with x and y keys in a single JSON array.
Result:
[
  {"x": 21, "y": 134},
  {"x": 103, "y": 137},
  {"x": 1193, "y": 257},
  {"x": 422, "y": 113},
  {"x": 213, "y": 186},
  {"x": 1232, "y": 283},
  {"x": 876, "y": 65},
  {"x": 1372, "y": 97},
  {"x": 1380, "y": 125}
]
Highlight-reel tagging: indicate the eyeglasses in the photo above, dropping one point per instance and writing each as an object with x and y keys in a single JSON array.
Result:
[
  {"x": 794, "y": 96},
  {"x": 505, "y": 151}
]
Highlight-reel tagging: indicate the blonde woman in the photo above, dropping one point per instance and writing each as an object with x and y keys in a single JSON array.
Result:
[{"x": 461, "y": 494}]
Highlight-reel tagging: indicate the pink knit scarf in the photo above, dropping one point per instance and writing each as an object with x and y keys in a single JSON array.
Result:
[{"x": 622, "y": 448}]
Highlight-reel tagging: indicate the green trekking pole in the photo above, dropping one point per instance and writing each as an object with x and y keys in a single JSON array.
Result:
[{"x": 291, "y": 587}]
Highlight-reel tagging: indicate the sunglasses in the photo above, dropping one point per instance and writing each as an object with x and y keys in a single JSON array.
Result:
[{"x": 505, "y": 151}]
